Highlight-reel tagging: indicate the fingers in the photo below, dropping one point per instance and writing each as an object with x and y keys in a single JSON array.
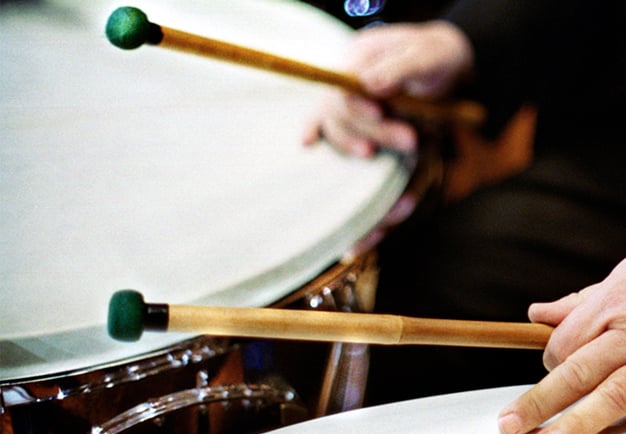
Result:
[
  {"x": 339, "y": 120},
  {"x": 595, "y": 369},
  {"x": 606, "y": 405},
  {"x": 311, "y": 132},
  {"x": 378, "y": 53},
  {"x": 425, "y": 59},
  {"x": 567, "y": 315},
  {"x": 601, "y": 307},
  {"x": 399, "y": 212},
  {"x": 365, "y": 244},
  {"x": 357, "y": 126},
  {"x": 555, "y": 312}
]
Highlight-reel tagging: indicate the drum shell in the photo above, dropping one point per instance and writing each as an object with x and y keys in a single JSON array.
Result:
[
  {"x": 300, "y": 379},
  {"x": 73, "y": 402},
  {"x": 88, "y": 390}
]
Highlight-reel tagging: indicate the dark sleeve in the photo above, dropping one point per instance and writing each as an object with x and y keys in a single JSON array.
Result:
[{"x": 506, "y": 36}]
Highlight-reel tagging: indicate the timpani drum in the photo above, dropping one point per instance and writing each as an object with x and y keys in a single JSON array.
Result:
[
  {"x": 458, "y": 413},
  {"x": 179, "y": 176}
]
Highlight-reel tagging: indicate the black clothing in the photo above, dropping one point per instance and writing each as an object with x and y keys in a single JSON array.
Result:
[
  {"x": 553, "y": 229},
  {"x": 568, "y": 57}
]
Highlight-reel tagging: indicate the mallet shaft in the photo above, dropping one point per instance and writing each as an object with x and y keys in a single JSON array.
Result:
[
  {"x": 203, "y": 46},
  {"x": 463, "y": 112},
  {"x": 129, "y": 28},
  {"x": 354, "y": 327}
]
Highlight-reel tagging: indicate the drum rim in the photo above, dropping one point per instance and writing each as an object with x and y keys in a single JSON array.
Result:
[
  {"x": 390, "y": 190},
  {"x": 62, "y": 385}
]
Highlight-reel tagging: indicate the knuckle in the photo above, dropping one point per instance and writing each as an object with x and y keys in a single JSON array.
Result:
[
  {"x": 535, "y": 408},
  {"x": 613, "y": 391},
  {"x": 576, "y": 376},
  {"x": 579, "y": 423}
]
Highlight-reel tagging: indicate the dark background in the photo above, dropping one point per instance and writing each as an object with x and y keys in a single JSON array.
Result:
[{"x": 393, "y": 11}]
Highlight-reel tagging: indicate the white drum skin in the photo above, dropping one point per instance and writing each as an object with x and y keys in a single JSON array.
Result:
[
  {"x": 179, "y": 176},
  {"x": 468, "y": 412},
  {"x": 175, "y": 175},
  {"x": 458, "y": 413}
]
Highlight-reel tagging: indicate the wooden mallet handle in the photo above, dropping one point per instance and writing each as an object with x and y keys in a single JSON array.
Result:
[
  {"x": 129, "y": 315},
  {"x": 129, "y": 28}
]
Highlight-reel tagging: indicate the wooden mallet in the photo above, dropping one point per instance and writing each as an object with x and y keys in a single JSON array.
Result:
[
  {"x": 129, "y": 316},
  {"x": 128, "y": 28}
]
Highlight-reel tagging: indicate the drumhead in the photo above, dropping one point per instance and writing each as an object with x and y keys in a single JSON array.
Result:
[
  {"x": 178, "y": 176},
  {"x": 466, "y": 412}
]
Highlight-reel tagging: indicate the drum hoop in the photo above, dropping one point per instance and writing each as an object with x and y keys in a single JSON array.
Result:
[
  {"x": 197, "y": 396},
  {"x": 64, "y": 385},
  {"x": 185, "y": 353}
]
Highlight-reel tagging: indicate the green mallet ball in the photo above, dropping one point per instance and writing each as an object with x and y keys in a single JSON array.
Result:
[
  {"x": 127, "y": 312},
  {"x": 128, "y": 28}
]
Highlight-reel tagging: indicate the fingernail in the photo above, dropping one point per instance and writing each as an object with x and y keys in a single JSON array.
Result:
[{"x": 510, "y": 424}]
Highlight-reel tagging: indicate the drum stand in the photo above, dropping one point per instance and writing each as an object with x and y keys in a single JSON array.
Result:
[
  {"x": 352, "y": 287},
  {"x": 347, "y": 288}
]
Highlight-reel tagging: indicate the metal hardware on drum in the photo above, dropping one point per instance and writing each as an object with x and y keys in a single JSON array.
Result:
[
  {"x": 250, "y": 395},
  {"x": 185, "y": 354},
  {"x": 85, "y": 150},
  {"x": 335, "y": 289},
  {"x": 96, "y": 393},
  {"x": 345, "y": 287}
]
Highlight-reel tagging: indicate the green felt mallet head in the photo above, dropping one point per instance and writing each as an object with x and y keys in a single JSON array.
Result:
[
  {"x": 126, "y": 315},
  {"x": 129, "y": 315},
  {"x": 128, "y": 28}
]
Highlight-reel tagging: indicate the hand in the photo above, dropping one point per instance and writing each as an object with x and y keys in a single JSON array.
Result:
[
  {"x": 587, "y": 358},
  {"x": 401, "y": 210},
  {"x": 428, "y": 174},
  {"x": 425, "y": 60}
]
